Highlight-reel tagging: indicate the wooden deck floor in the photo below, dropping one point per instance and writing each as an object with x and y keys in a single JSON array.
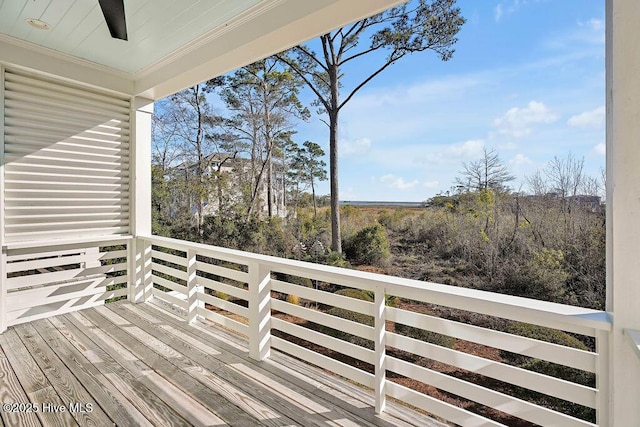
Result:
[{"x": 135, "y": 365}]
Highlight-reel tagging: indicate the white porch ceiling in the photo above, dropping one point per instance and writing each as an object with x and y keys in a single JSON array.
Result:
[
  {"x": 173, "y": 44},
  {"x": 156, "y": 27}
]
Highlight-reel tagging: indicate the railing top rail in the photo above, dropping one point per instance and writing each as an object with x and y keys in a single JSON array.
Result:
[{"x": 490, "y": 303}]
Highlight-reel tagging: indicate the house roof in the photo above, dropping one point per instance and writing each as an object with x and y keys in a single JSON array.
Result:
[{"x": 172, "y": 45}]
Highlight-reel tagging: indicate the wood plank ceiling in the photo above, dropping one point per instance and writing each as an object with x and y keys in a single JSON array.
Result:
[{"x": 156, "y": 27}]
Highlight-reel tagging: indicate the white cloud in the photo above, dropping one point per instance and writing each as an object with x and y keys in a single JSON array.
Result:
[
  {"x": 393, "y": 181},
  {"x": 594, "y": 24},
  {"x": 431, "y": 184},
  {"x": 466, "y": 150},
  {"x": 519, "y": 159},
  {"x": 518, "y": 122},
  {"x": 600, "y": 149},
  {"x": 589, "y": 119},
  {"x": 498, "y": 12},
  {"x": 351, "y": 148}
]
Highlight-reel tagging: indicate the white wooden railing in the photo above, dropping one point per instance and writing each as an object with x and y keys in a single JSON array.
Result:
[
  {"x": 43, "y": 279},
  {"x": 239, "y": 290}
]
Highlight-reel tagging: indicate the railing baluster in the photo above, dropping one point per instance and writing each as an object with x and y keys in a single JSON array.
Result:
[
  {"x": 380, "y": 349},
  {"x": 259, "y": 311},
  {"x": 139, "y": 253},
  {"x": 3, "y": 291},
  {"x": 602, "y": 378},
  {"x": 192, "y": 289}
]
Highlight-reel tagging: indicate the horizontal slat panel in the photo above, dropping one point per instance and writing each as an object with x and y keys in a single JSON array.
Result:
[
  {"x": 75, "y": 142},
  {"x": 555, "y": 387},
  {"x": 169, "y": 258},
  {"x": 169, "y": 271},
  {"x": 332, "y": 343},
  {"x": 437, "y": 407},
  {"x": 49, "y": 262},
  {"x": 347, "y": 371},
  {"x": 221, "y": 287},
  {"x": 341, "y": 301},
  {"x": 37, "y": 84},
  {"x": 61, "y": 152},
  {"x": 80, "y": 171},
  {"x": 227, "y": 322},
  {"x": 239, "y": 276},
  {"x": 58, "y": 276},
  {"x": 328, "y": 320},
  {"x": 42, "y": 106},
  {"x": 65, "y": 146},
  {"x": 224, "y": 305},
  {"x": 55, "y": 293},
  {"x": 485, "y": 396},
  {"x": 54, "y": 309},
  {"x": 575, "y": 358},
  {"x": 61, "y": 234},
  {"x": 168, "y": 284},
  {"x": 47, "y": 220},
  {"x": 114, "y": 294},
  {"x": 157, "y": 293}
]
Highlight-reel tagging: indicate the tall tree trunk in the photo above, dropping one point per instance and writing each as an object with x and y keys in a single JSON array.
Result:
[
  {"x": 270, "y": 184},
  {"x": 313, "y": 196},
  {"x": 336, "y": 235}
]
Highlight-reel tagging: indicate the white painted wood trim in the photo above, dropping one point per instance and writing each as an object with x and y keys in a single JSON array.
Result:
[
  {"x": 192, "y": 287},
  {"x": 3, "y": 255},
  {"x": 438, "y": 407},
  {"x": 259, "y": 311},
  {"x": 325, "y": 362},
  {"x": 341, "y": 301},
  {"x": 227, "y": 322},
  {"x": 380, "y": 343},
  {"x": 634, "y": 340},
  {"x": 575, "y": 358},
  {"x": 571, "y": 318},
  {"x": 344, "y": 347},
  {"x": 222, "y": 287}
]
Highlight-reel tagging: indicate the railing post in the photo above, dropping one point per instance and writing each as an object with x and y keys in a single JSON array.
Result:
[
  {"x": 192, "y": 288},
  {"x": 380, "y": 349},
  {"x": 3, "y": 291},
  {"x": 259, "y": 311},
  {"x": 603, "y": 399},
  {"x": 139, "y": 270}
]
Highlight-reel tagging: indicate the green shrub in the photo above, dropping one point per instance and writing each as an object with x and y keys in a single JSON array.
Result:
[
  {"x": 368, "y": 246},
  {"x": 552, "y": 369}
]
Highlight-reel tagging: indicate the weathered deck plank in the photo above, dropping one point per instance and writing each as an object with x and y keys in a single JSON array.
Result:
[
  {"x": 11, "y": 392},
  {"x": 143, "y": 366},
  {"x": 114, "y": 403},
  {"x": 33, "y": 381},
  {"x": 66, "y": 385}
]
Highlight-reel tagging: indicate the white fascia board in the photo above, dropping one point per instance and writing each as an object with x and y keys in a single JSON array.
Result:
[
  {"x": 285, "y": 24},
  {"x": 29, "y": 56}
]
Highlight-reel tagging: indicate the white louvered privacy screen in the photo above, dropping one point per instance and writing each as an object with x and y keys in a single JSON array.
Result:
[{"x": 66, "y": 160}]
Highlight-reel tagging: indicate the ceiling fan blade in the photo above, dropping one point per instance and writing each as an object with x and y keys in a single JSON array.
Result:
[{"x": 113, "y": 11}]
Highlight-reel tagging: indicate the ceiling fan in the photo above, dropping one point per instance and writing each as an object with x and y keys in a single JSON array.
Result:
[{"x": 113, "y": 11}]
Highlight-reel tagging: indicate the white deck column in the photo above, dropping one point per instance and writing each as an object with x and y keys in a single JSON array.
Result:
[
  {"x": 623, "y": 207},
  {"x": 140, "y": 200},
  {"x": 259, "y": 311},
  {"x": 380, "y": 320},
  {"x": 3, "y": 273}
]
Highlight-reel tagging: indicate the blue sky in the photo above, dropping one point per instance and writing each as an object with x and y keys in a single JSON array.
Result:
[{"x": 527, "y": 80}]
